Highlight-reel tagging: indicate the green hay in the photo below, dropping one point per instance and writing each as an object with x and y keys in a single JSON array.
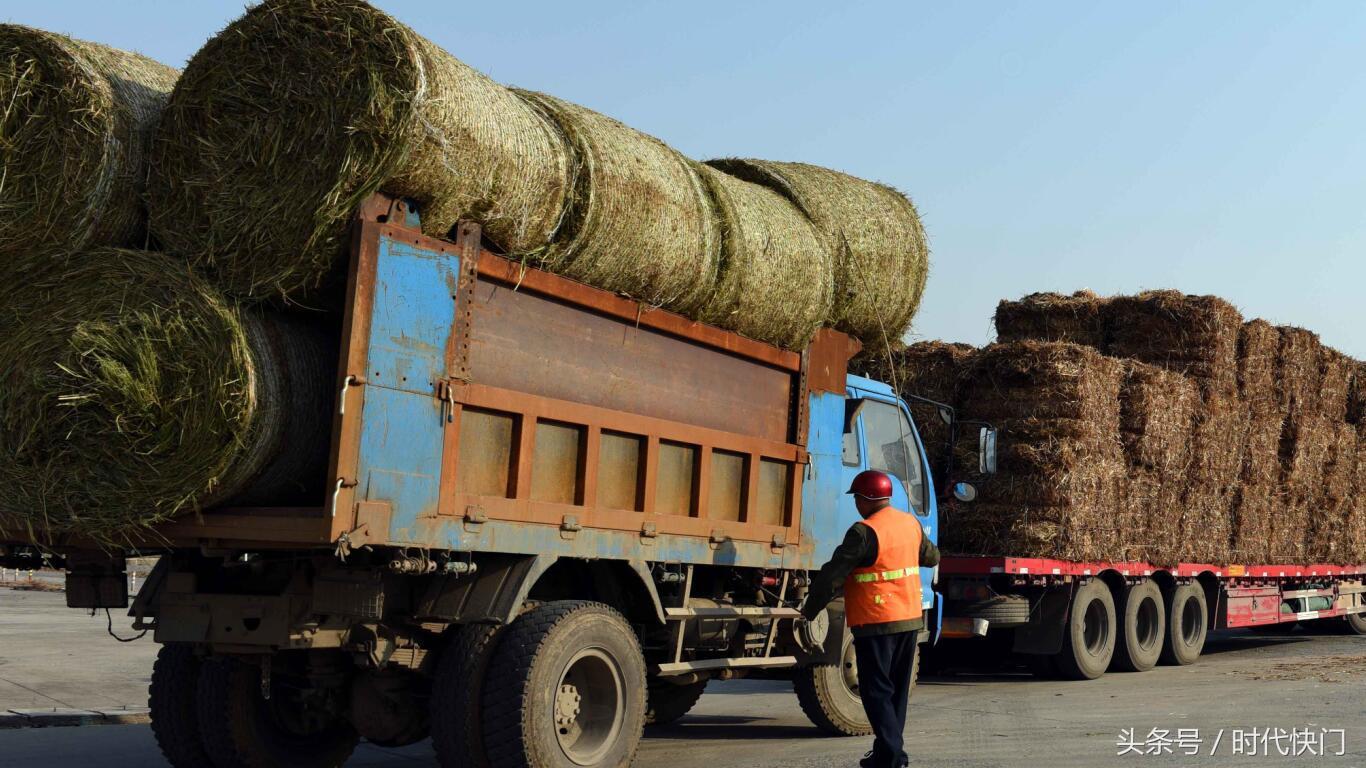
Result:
[
  {"x": 75, "y": 122},
  {"x": 882, "y": 254},
  {"x": 301, "y": 109},
  {"x": 639, "y": 219},
  {"x": 133, "y": 392},
  {"x": 777, "y": 270}
]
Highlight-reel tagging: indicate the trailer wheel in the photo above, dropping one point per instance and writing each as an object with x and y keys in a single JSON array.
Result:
[
  {"x": 1356, "y": 623},
  {"x": 171, "y": 699},
  {"x": 1088, "y": 641},
  {"x": 1143, "y": 628},
  {"x": 566, "y": 687},
  {"x": 1187, "y": 625},
  {"x": 291, "y": 729},
  {"x": 456, "y": 690},
  {"x": 667, "y": 702}
]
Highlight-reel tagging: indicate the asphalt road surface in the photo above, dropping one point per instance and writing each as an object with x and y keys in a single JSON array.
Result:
[{"x": 1249, "y": 691}]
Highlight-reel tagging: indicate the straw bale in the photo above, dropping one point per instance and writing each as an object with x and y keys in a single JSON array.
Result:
[
  {"x": 1157, "y": 411},
  {"x": 1193, "y": 335},
  {"x": 882, "y": 253},
  {"x": 132, "y": 392},
  {"x": 1356, "y": 400},
  {"x": 1335, "y": 374},
  {"x": 1074, "y": 318},
  {"x": 75, "y": 126},
  {"x": 776, "y": 275},
  {"x": 1298, "y": 372},
  {"x": 288, "y": 119},
  {"x": 1258, "y": 350},
  {"x": 1061, "y": 459},
  {"x": 640, "y": 220},
  {"x": 1328, "y": 539}
]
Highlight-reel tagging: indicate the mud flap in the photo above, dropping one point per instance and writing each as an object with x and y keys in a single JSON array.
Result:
[{"x": 1044, "y": 634}]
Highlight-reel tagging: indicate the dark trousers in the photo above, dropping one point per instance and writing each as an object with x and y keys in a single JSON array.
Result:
[{"x": 884, "y": 681}]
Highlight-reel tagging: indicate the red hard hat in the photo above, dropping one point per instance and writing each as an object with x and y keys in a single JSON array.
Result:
[{"x": 871, "y": 485}]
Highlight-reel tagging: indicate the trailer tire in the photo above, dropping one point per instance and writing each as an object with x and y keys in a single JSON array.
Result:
[
  {"x": 667, "y": 702},
  {"x": 566, "y": 687},
  {"x": 1356, "y": 623},
  {"x": 1142, "y": 629},
  {"x": 243, "y": 730},
  {"x": 1187, "y": 625},
  {"x": 171, "y": 699},
  {"x": 457, "y": 735},
  {"x": 1088, "y": 640},
  {"x": 1001, "y": 611}
]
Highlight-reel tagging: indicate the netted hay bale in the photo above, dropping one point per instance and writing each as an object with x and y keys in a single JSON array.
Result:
[
  {"x": 1193, "y": 335},
  {"x": 1074, "y": 318},
  {"x": 75, "y": 125},
  {"x": 882, "y": 255},
  {"x": 776, "y": 277},
  {"x": 639, "y": 220},
  {"x": 132, "y": 392},
  {"x": 1061, "y": 463},
  {"x": 298, "y": 111}
]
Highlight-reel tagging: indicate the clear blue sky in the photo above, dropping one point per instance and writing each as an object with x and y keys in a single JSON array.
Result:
[{"x": 1212, "y": 147}]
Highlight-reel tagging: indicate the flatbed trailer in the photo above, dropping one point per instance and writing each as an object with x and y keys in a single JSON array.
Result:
[
  {"x": 552, "y": 514},
  {"x": 1080, "y": 619}
]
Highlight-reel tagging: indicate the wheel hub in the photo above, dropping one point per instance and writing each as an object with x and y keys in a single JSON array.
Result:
[{"x": 568, "y": 703}]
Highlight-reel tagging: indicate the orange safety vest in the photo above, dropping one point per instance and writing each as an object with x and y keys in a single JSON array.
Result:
[{"x": 890, "y": 589}]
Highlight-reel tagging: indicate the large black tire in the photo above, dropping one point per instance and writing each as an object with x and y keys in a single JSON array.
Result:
[
  {"x": 1088, "y": 640},
  {"x": 667, "y": 702},
  {"x": 1187, "y": 625},
  {"x": 567, "y": 678},
  {"x": 1001, "y": 611},
  {"x": 1142, "y": 628},
  {"x": 241, "y": 729},
  {"x": 457, "y": 734},
  {"x": 829, "y": 693},
  {"x": 171, "y": 698},
  {"x": 1356, "y": 623}
]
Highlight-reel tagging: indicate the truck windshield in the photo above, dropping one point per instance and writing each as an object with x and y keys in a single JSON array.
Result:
[{"x": 892, "y": 448}]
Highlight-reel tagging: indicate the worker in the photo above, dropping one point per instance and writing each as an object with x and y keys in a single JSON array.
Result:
[{"x": 878, "y": 564}]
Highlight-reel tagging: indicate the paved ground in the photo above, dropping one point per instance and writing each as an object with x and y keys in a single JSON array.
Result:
[{"x": 50, "y": 656}]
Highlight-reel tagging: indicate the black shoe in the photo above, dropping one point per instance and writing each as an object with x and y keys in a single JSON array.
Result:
[{"x": 867, "y": 761}]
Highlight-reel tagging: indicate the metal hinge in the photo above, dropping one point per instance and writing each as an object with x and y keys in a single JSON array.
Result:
[{"x": 569, "y": 527}]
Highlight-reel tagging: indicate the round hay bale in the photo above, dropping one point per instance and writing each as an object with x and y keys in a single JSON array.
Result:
[
  {"x": 639, "y": 222},
  {"x": 132, "y": 391},
  {"x": 882, "y": 254},
  {"x": 777, "y": 270},
  {"x": 76, "y": 119},
  {"x": 301, "y": 109}
]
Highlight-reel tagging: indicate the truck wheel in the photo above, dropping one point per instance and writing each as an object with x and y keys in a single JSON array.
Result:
[
  {"x": 566, "y": 687},
  {"x": 1356, "y": 623},
  {"x": 829, "y": 693},
  {"x": 171, "y": 698},
  {"x": 288, "y": 730},
  {"x": 457, "y": 735},
  {"x": 667, "y": 702},
  {"x": 1143, "y": 628},
  {"x": 1187, "y": 625},
  {"x": 1088, "y": 641}
]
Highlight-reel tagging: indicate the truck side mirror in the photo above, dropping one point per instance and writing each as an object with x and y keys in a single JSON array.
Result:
[{"x": 986, "y": 451}]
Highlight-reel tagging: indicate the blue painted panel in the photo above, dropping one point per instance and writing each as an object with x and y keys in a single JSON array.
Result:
[
  {"x": 413, "y": 316},
  {"x": 400, "y": 455}
]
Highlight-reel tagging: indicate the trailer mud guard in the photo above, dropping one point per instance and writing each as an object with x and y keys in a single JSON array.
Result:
[{"x": 1044, "y": 635}]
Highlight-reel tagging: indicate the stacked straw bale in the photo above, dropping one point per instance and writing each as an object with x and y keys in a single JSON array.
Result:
[
  {"x": 132, "y": 391},
  {"x": 639, "y": 220},
  {"x": 1047, "y": 316},
  {"x": 882, "y": 253},
  {"x": 776, "y": 277},
  {"x": 1061, "y": 459},
  {"x": 292, "y": 116},
  {"x": 1254, "y": 503},
  {"x": 1158, "y": 410},
  {"x": 76, "y": 121}
]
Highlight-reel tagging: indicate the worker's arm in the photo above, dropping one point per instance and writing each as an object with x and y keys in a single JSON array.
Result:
[
  {"x": 929, "y": 553},
  {"x": 858, "y": 550}
]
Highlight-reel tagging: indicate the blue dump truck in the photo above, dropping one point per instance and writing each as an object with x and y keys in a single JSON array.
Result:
[{"x": 552, "y": 515}]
